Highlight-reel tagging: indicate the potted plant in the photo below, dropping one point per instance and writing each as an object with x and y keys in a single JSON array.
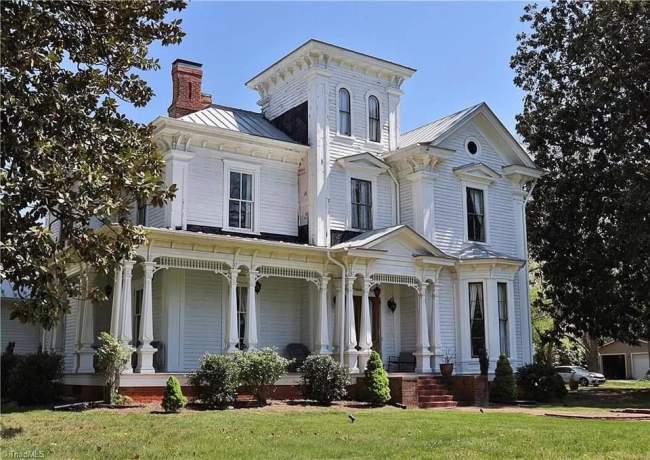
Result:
[{"x": 447, "y": 364}]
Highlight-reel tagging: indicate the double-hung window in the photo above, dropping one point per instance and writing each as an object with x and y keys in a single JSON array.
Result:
[
  {"x": 476, "y": 318},
  {"x": 361, "y": 204},
  {"x": 242, "y": 295},
  {"x": 241, "y": 203},
  {"x": 137, "y": 315},
  {"x": 141, "y": 216},
  {"x": 374, "y": 125},
  {"x": 502, "y": 300},
  {"x": 345, "y": 120},
  {"x": 475, "y": 215}
]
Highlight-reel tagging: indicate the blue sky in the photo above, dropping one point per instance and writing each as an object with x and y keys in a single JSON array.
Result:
[{"x": 461, "y": 50}]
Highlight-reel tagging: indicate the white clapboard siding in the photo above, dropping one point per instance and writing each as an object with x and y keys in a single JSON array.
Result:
[
  {"x": 338, "y": 207},
  {"x": 283, "y": 305},
  {"x": 156, "y": 216},
  {"x": 26, "y": 336},
  {"x": 385, "y": 201},
  {"x": 70, "y": 340},
  {"x": 202, "y": 317},
  {"x": 407, "y": 310},
  {"x": 287, "y": 95},
  {"x": 157, "y": 305},
  {"x": 447, "y": 313},
  {"x": 520, "y": 323},
  {"x": 205, "y": 190}
]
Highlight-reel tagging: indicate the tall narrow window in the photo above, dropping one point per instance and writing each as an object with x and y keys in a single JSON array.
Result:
[
  {"x": 475, "y": 215},
  {"x": 476, "y": 318},
  {"x": 240, "y": 206},
  {"x": 141, "y": 217},
  {"x": 361, "y": 204},
  {"x": 502, "y": 299},
  {"x": 345, "y": 120},
  {"x": 242, "y": 293},
  {"x": 374, "y": 128},
  {"x": 137, "y": 314}
]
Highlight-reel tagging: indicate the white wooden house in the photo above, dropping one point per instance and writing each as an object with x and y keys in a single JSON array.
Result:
[{"x": 316, "y": 222}]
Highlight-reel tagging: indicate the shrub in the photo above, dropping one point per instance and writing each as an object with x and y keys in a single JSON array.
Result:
[
  {"x": 173, "y": 399},
  {"x": 112, "y": 358},
  {"x": 259, "y": 370},
  {"x": 8, "y": 362},
  {"x": 483, "y": 361},
  {"x": 323, "y": 379},
  {"x": 540, "y": 382},
  {"x": 216, "y": 380},
  {"x": 504, "y": 388},
  {"x": 377, "y": 389},
  {"x": 35, "y": 378}
]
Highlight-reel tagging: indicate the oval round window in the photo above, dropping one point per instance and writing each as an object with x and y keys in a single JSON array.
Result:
[{"x": 472, "y": 147}]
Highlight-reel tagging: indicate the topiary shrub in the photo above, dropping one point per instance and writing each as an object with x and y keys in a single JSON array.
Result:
[
  {"x": 504, "y": 388},
  {"x": 323, "y": 379},
  {"x": 540, "y": 383},
  {"x": 173, "y": 399},
  {"x": 35, "y": 379},
  {"x": 216, "y": 380},
  {"x": 112, "y": 358},
  {"x": 377, "y": 389},
  {"x": 259, "y": 370}
]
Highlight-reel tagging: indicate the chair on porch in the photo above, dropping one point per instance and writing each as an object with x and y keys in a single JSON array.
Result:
[
  {"x": 405, "y": 362},
  {"x": 298, "y": 352}
]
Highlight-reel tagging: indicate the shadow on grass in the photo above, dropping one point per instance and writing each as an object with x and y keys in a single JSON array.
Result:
[
  {"x": 609, "y": 398},
  {"x": 10, "y": 432}
]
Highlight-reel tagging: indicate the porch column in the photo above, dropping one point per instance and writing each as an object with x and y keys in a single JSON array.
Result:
[
  {"x": 251, "y": 312},
  {"x": 126, "y": 329},
  {"x": 436, "y": 347},
  {"x": 322, "y": 331},
  {"x": 350, "y": 329},
  {"x": 145, "y": 350},
  {"x": 365, "y": 333},
  {"x": 87, "y": 337},
  {"x": 232, "y": 333},
  {"x": 117, "y": 301},
  {"x": 422, "y": 354}
]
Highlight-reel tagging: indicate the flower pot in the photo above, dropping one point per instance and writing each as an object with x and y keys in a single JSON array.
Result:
[{"x": 446, "y": 369}]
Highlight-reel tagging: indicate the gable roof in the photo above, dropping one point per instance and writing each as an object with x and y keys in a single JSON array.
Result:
[
  {"x": 239, "y": 120},
  {"x": 435, "y": 132},
  {"x": 371, "y": 238}
]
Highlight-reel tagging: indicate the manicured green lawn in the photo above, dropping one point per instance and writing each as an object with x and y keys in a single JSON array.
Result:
[{"x": 320, "y": 433}]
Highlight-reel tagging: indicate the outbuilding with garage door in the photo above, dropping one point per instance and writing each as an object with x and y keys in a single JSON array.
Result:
[{"x": 619, "y": 360}]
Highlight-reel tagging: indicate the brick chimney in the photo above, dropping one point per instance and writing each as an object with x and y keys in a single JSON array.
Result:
[{"x": 187, "y": 96}]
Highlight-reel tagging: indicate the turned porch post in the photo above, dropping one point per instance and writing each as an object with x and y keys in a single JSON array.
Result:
[
  {"x": 365, "y": 332},
  {"x": 322, "y": 333},
  {"x": 232, "y": 333},
  {"x": 126, "y": 328},
  {"x": 145, "y": 350},
  {"x": 117, "y": 301},
  {"x": 251, "y": 312},
  {"x": 422, "y": 354},
  {"x": 350, "y": 329},
  {"x": 87, "y": 336}
]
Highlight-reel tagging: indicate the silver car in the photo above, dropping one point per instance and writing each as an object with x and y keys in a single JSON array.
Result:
[{"x": 582, "y": 375}]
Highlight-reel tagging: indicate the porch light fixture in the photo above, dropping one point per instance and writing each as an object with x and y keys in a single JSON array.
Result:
[
  {"x": 392, "y": 305},
  {"x": 258, "y": 287},
  {"x": 376, "y": 291}
]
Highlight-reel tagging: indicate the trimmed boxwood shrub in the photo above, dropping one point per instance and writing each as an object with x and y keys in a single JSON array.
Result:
[
  {"x": 259, "y": 370},
  {"x": 112, "y": 357},
  {"x": 323, "y": 379},
  {"x": 216, "y": 380},
  {"x": 504, "y": 388},
  {"x": 173, "y": 399},
  {"x": 377, "y": 389},
  {"x": 35, "y": 378},
  {"x": 540, "y": 383}
]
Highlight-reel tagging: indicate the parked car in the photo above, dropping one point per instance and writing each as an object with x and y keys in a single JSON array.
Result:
[{"x": 585, "y": 378}]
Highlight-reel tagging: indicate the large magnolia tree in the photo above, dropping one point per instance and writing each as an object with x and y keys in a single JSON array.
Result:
[
  {"x": 585, "y": 69},
  {"x": 68, "y": 154}
]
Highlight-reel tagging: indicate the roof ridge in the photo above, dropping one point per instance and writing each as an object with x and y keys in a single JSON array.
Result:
[
  {"x": 471, "y": 107},
  {"x": 221, "y": 106}
]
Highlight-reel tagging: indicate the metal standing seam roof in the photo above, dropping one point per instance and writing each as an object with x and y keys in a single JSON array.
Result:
[
  {"x": 434, "y": 130},
  {"x": 475, "y": 251},
  {"x": 233, "y": 119}
]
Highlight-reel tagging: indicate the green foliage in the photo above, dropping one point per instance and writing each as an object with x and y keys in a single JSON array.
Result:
[
  {"x": 216, "y": 380},
  {"x": 112, "y": 358},
  {"x": 9, "y": 361},
  {"x": 259, "y": 370},
  {"x": 584, "y": 67},
  {"x": 540, "y": 383},
  {"x": 173, "y": 399},
  {"x": 504, "y": 388},
  {"x": 323, "y": 379},
  {"x": 35, "y": 378},
  {"x": 483, "y": 361},
  {"x": 377, "y": 389},
  {"x": 68, "y": 154}
]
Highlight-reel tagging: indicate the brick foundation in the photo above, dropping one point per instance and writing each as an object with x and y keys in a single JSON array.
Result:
[{"x": 469, "y": 390}]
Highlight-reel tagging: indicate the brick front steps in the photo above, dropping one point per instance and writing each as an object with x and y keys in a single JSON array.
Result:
[{"x": 431, "y": 392}]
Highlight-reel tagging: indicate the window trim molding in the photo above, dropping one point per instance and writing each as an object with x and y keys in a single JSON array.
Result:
[
  {"x": 338, "y": 108},
  {"x": 474, "y": 139},
  {"x": 372, "y": 178},
  {"x": 246, "y": 168},
  {"x": 486, "y": 213},
  {"x": 367, "y": 122}
]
